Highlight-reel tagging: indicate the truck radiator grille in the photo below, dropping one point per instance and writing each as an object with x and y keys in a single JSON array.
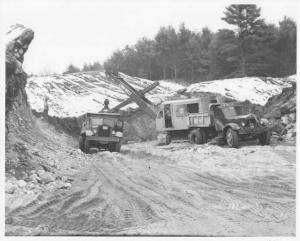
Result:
[{"x": 102, "y": 131}]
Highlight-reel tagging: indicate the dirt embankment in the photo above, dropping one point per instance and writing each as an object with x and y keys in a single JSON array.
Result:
[
  {"x": 19, "y": 122},
  {"x": 138, "y": 126},
  {"x": 32, "y": 152},
  {"x": 281, "y": 112},
  {"x": 16, "y": 104}
]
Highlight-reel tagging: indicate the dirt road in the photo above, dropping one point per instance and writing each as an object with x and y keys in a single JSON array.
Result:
[{"x": 180, "y": 189}]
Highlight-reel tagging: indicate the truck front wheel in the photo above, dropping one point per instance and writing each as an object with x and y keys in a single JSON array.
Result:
[
  {"x": 232, "y": 138},
  {"x": 118, "y": 146},
  {"x": 264, "y": 138},
  {"x": 115, "y": 147},
  {"x": 86, "y": 146},
  {"x": 81, "y": 143}
]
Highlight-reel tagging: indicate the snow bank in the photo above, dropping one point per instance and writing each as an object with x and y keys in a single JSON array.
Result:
[
  {"x": 75, "y": 94},
  {"x": 256, "y": 90}
]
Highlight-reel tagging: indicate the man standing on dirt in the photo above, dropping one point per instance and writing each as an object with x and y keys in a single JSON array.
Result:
[{"x": 46, "y": 108}]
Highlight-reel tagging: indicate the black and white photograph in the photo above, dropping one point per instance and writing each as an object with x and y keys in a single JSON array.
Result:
[{"x": 149, "y": 118}]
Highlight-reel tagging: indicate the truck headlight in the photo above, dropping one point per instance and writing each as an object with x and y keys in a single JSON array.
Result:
[
  {"x": 264, "y": 121},
  {"x": 119, "y": 134},
  {"x": 88, "y": 133}
]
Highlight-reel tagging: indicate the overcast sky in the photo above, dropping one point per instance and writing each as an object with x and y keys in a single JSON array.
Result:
[{"x": 69, "y": 31}]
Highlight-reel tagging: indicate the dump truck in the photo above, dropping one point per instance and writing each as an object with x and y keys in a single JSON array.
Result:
[
  {"x": 200, "y": 119},
  {"x": 101, "y": 130}
]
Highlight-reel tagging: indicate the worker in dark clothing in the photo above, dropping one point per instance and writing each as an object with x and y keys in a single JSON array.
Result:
[
  {"x": 168, "y": 117},
  {"x": 105, "y": 108},
  {"x": 46, "y": 108}
]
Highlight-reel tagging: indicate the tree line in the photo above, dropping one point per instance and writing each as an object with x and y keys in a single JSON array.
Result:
[
  {"x": 71, "y": 68},
  {"x": 254, "y": 48}
]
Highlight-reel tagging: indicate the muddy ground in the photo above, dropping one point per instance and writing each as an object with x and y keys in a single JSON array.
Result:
[{"x": 180, "y": 189}]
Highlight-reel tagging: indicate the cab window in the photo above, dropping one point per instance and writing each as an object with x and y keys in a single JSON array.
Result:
[
  {"x": 160, "y": 114},
  {"x": 119, "y": 123},
  {"x": 193, "y": 108}
]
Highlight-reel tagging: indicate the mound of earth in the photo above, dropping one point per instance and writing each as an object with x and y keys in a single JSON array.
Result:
[{"x": 281, "y": 112}]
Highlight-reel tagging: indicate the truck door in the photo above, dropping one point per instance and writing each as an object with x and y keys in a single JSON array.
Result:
[{"x": 160, "y": 121}]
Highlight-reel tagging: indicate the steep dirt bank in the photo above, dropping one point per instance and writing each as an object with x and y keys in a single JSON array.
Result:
[
  {"x": 16, "y": 104},
  {"x": 281, "y": 113},
  {"x": 30, "y": 151},
  {"x": 19, "y": 121},
  {"x": 138, "y": 126}
]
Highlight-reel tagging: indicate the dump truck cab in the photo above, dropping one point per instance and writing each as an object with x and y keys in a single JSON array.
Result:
[
  {"x": 235, "y": 123},
  {"x": 101, "y": 130}
]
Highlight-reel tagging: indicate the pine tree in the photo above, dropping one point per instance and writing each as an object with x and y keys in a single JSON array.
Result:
[
  {"x": 287, "y": 46},
  {"x": 71, "y": 69},
  {"x": 223, "y": 54},
  {"x": 246, "y": 17}
]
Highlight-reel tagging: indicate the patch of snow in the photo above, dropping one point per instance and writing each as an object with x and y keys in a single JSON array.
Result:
[
  {"x": 256, "y": 90},
  {"x": 75, "y": 94}
]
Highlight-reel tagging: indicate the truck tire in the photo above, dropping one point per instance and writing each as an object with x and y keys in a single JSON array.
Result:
[
  {"x": 264, "y": 138},
  {"x": 81, "y": 143},
  {"x": 232, "y": 138},
  {"x": 198, "y": 136},
  {"x": 114, "y": 147},
  {"x": 168, "y": 139},
  {"x": 86, "y": 146},
  {"x": 118, "y": 146},
  {"x": 111, "y": 147}
]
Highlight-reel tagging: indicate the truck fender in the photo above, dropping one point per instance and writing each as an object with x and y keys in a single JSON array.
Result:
[{"x": 233, "y": 126}]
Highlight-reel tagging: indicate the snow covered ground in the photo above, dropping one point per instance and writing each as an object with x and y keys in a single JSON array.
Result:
[
  {"x": 74, "y": 94},
  {"x": 256, "y": 90}
]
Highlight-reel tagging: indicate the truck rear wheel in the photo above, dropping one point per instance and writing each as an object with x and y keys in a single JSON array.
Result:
[
  {"x": 232, "y": 138},
  {"x": 198, "y": 136},
  {"x": 264, "y": 138}
]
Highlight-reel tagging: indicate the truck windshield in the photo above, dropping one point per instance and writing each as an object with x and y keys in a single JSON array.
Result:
[
  {"x": 103, "y": 121},
  {"x": 233, "y": 111}
]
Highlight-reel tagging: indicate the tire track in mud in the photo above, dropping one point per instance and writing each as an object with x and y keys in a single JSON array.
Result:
[
  {"x": 135, "y": 189},
  {"x": 68, "y": 211},
  {"x": 138, "y": 207},
  {"x": 261, "y": 200}
]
